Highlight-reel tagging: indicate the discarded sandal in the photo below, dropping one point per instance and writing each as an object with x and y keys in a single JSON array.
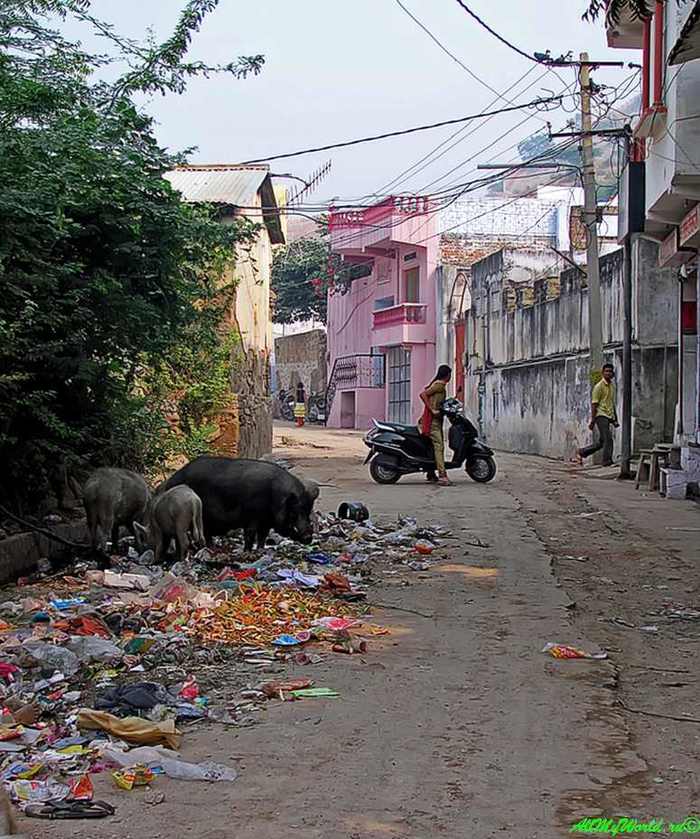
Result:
[{"x": 70, "y": 810}]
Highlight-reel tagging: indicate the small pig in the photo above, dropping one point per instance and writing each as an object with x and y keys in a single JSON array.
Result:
[
  {"x": 113, "y": 498},
  {"x": 251, "y": 494},
  {"x": 7, "y": 821},
  {"x": 176, "y": 514}
]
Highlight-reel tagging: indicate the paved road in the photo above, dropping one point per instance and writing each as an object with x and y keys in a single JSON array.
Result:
[{"x": 458, "y": 726}]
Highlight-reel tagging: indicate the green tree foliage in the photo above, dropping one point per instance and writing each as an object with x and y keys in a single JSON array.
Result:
[
  {"x": 300, "y": 280},
  {"x": 105, "y": 274},
  {"x": 304, "y": 272},
  {"x": 614, "y": 9}
]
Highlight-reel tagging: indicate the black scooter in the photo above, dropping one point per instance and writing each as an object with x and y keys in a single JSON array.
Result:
[{"x": 396, "y": 450}]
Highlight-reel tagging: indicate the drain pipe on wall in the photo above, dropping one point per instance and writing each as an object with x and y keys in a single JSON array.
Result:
[
  {"x": 626, "y": 437},
  {"x": 682, "y": 273}
]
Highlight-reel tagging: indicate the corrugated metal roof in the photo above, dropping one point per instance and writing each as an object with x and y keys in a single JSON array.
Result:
[{"x": 233, "y": 185}]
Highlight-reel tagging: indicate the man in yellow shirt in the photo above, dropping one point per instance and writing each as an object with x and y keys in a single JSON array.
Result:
[{"x": 603, "y": 417}]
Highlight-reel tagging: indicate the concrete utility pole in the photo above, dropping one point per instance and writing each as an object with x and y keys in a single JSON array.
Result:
[
  {"x": 590, "y": 220},
  {"x": 626, "y": 440}
]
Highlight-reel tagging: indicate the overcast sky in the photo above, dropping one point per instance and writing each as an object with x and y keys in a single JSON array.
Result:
[{"x": 339, "y": 69}]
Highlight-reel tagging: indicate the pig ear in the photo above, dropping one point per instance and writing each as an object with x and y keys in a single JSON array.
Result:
[
  {"x": 139, "y": 528},
  {"x": 313, "y": 489}
]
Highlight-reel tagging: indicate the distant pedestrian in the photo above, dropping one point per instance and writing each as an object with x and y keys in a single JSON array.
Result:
[
  {"x": 300, "y": 406},
  {"x": 431, "y": 422},
  {"x": 603, "y": 417}
]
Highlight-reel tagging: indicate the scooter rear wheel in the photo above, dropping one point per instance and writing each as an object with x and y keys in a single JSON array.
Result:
[
  {"x": 382, "y": 473},
  {"x": 481, "y": 469}
]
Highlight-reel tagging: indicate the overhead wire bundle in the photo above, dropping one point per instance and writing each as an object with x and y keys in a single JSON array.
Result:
[{"x": 459, "y": 185}]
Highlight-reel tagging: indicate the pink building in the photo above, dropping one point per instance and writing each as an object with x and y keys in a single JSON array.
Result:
[{"x": 382, "y": 333}]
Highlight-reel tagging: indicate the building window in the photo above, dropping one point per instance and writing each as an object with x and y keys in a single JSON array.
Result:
[
  {"x": 399, "y": 364},
  {"x": 383, "y": 303},
  {"x": 377, "y": 362},
  {"x": 411, "y": 285}
]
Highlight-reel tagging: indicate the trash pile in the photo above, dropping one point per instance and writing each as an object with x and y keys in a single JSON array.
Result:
[{"x": 101, "y": 671}]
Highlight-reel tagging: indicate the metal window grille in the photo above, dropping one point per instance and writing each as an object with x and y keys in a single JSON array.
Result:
[{"x": 399, "y": 364}]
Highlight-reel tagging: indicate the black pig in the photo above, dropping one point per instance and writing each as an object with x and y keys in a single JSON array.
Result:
[{"x": 251, "y": 494}]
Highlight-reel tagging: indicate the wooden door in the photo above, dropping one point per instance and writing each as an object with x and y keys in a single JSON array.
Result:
[{"x": 459, "y": 359}]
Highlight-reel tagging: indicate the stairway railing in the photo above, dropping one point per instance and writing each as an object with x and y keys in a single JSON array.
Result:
[{"x": 362, "y": 370}]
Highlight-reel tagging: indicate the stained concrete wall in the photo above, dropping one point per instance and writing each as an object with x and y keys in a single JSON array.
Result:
[
  {"x": 245, "y": 426},
  {"x": 544, "y": 407},
  {"x": 528, "y": 375}
]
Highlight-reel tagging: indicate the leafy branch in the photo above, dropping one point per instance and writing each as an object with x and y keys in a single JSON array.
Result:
[
  {"x": 613, "y": 10},
  {"x": 113, "y": 287}
]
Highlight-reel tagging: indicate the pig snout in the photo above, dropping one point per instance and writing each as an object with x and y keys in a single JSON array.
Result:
[{"x": 304, "y": 531}]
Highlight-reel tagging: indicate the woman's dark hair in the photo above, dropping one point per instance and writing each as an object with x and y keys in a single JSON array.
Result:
[{"x": 444, "y": 372}]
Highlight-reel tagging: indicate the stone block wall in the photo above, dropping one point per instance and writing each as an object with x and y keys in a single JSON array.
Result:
[
  {"x": 302, "y": 358},
  {"x": 245, "y": 425},
  {"x": 251, "y": 383}
]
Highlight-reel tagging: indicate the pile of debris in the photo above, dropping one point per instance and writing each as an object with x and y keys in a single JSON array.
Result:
[{"x": 102, "y": 671}]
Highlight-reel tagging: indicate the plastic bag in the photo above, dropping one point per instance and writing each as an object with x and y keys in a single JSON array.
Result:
[
  {"x": 139, "y": 645},
  {"x": 83, "y": 625},
  {"x": 180, "y": 770},
  {"x": 7, "y": 671},
  {"x": 424, "y": 547},
  {"x": 319, "y": 558},
  {"x": 336, "y": 624},
  {"x": 81, "y": 789},
  {"x": 173, "y": 588},
  {"x": 334, "y": 581},
  {"x": 52, "y": 657},
  {"x": 293, "y": 575},
  {"x": 315, "y": 693},
  {"x": 190, "y": 690},
  {"x": 134, "y": 697},
  {"x": 90, "y": 648},
  {"x": 565, "y": 651},
  {"x": 171, "y": 764},
  {"x": 70, "y": 603},
  {"x": 110, "y": 579},
  {"x": 286, "y": 641},
  {"x": 131, "y": 729},
  {"x": 36, "y": 792},
  {"x": 136, "y": 776}
]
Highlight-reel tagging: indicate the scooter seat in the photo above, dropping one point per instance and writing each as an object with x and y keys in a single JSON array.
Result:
[{"x": 408, "y": 430}]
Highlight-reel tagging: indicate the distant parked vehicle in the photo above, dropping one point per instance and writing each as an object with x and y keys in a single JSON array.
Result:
[
  {"x": 316, "y": 411},
  {"x": 286, "y": 402}
]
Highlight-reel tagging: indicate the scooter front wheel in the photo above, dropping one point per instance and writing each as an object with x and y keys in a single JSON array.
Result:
[
  {"x": 481, "y": 469},
  {"x": 382, "y": 473}
]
